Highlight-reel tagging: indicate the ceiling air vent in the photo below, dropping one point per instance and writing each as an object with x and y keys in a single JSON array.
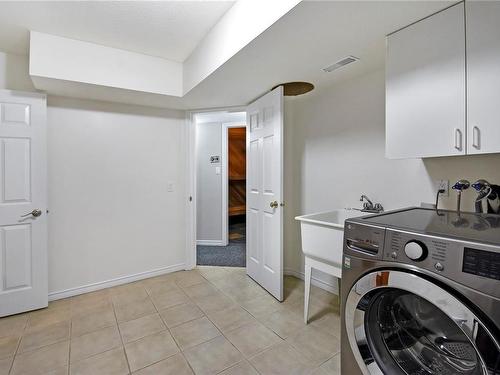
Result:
[{"x": 341, "y": 63}]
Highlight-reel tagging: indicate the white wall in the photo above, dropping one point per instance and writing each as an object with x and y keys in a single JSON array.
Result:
[
  {"x": 109, "y": 166},
  {"x": 14, "y": 73},
  {"x": 338, "y": 153},
  {"x": 208, "y": 184},
  {"x": 111, "y": 214}
]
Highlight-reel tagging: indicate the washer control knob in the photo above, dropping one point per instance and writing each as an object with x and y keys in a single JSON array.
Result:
[
  {"x": 394, "y": 255},
  {"x": 439, "y": 267},
  {"x": 416, "y": 250}
]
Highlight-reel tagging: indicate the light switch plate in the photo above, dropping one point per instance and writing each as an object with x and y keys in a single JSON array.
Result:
[{"x": 170, "y": 187}]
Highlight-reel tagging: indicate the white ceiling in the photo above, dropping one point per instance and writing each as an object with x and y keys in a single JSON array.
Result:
[
  {"x": 168, "y": 29},
  {"x": 311, "y": 36}
]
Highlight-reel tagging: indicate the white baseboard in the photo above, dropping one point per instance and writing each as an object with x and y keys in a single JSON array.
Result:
[
  {"x": 210, "y": 243},
  {"x": 332, "y": 288},
  {"x": 114, "y": 282}
]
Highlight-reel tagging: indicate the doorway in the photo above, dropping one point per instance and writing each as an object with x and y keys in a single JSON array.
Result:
[
  {"x": 264, "y": 189},
  {"x": 221, "y": 189},
  {"x": 236, "y": 190}
]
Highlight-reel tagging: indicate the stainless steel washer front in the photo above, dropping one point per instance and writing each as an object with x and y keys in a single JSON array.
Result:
[{"x": 400, "y": 322}]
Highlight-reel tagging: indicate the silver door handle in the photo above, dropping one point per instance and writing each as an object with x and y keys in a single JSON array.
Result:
[
  {"x": 458, "y": 139},
  {"x": 476, "y": 138},
  {"x": 35, "y": 213}
]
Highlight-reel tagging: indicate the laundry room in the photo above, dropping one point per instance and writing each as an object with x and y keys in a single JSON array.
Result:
[{"x": 249, "y": 187}]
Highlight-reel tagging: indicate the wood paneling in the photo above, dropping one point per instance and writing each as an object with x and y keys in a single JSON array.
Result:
[{"x": 237, "y": 171}]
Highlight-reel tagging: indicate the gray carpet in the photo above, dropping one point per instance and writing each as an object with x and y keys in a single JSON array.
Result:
[{"x": 232, "y": 255}]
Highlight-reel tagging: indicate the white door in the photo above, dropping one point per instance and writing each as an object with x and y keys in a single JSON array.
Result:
[
  {"x": 483, "y": 76},
  {"x": 23, "y": 202},
  {"x": 425, "y": 87},
  {"x": 265, "y": 192}
]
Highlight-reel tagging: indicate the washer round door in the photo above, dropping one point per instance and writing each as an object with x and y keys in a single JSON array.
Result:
[{"x": 400, "y": 323}]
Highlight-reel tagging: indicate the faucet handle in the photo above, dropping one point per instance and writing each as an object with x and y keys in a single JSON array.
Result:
[
  {"x": 378, "y": 207},
  {"x": 480, "y": 185},
  {"x": 461, "y": 185}
]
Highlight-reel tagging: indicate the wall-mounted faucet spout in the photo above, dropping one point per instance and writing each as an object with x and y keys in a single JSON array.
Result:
[{"x": 460, "y": 186}]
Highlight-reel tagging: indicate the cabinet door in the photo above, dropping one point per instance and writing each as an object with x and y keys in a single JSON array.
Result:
[
  {"x": 425, "y": 87},
  {"x": 483, "y": 76}
]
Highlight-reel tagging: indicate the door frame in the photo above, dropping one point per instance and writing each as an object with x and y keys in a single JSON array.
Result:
[
  {"x": 190, "y": 190},
  {"x": 225, "y": 176}
]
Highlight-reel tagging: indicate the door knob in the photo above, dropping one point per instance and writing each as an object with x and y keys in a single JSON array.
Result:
[
  {"x": 274, "y": 204},
  {"x": 35, "y": 213}
]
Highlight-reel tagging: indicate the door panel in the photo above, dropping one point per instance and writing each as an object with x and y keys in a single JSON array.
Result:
[
  {"x": 253, "y": 239},
  {"x": 265, "y": 191},
  {"x": 425, "y": 87},
  {"x": 16, "y": 256},
  {"x": 15, "y": 114},
  {"x": 23, "y": 237},
  {"x": 483, "y": 76},
  {"x": 267, "y": 154},
  {"x": 15, "y": 170}
]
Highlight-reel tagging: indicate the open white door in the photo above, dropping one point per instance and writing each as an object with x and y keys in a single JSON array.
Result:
[
  {"x": 265, "y": 192},
  {"x": 23, "y": 202}
]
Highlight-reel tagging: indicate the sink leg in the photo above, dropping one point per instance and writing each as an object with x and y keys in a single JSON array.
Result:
[{"x": 307, "y": 285}]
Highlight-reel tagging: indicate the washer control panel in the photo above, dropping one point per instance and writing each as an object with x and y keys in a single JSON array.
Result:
[
  {"x": 474, "y": 265},
  {"x": 427, "y": 252}
]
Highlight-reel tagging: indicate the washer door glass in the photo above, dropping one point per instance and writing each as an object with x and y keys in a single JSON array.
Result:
[
  {"x": 400, "y": 323},
  {"x": 418, "y": 336}
]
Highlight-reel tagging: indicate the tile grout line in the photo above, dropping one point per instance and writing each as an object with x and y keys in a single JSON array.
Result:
[
  {"x": 70, "y": 342},
  {"x": 18, "y": 344},
  {"x": 121, "y": 338},
  {"x": 169, "y": 331},
  {"x": 245, "y": 359},
  {"x": 283, "y": 340},
  {"x": 223, "y": 335},
  {"x": 217, "y": 328}
]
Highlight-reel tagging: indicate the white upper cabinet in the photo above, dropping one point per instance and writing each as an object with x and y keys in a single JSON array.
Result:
[
  {"x": 425, "y": 87},
  {"x": 483, "y": 76}
]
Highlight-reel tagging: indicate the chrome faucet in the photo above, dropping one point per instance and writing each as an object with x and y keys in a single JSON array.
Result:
[
  {"x": 369, "y": 206},
  {"x": 460, "y": 186}
]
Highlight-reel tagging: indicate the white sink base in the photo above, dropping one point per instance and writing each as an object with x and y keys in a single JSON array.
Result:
[
  {"x": 322, "y": 242},
  {"x": 311, "y": 263}
]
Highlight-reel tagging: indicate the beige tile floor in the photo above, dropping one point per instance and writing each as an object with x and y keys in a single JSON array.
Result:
[{"x": 211, "y": 320}]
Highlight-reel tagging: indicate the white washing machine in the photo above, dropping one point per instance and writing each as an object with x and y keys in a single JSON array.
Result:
[{"x": 421, "y": 294}]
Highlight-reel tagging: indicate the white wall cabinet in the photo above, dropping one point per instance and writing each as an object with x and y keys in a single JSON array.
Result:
[
  {"x": 483, "y": 77},
  {"x": 425, "y": 87}
]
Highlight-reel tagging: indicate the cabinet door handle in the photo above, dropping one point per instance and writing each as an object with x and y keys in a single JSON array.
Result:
[
  {"x": 458, "y": 139},
  {"x": 476, "y": 138}
]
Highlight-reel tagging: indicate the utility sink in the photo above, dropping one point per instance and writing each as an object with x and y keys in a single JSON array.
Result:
[
  {"x": 323, "y": 234},
  {"x": 322, "y": 245}
]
